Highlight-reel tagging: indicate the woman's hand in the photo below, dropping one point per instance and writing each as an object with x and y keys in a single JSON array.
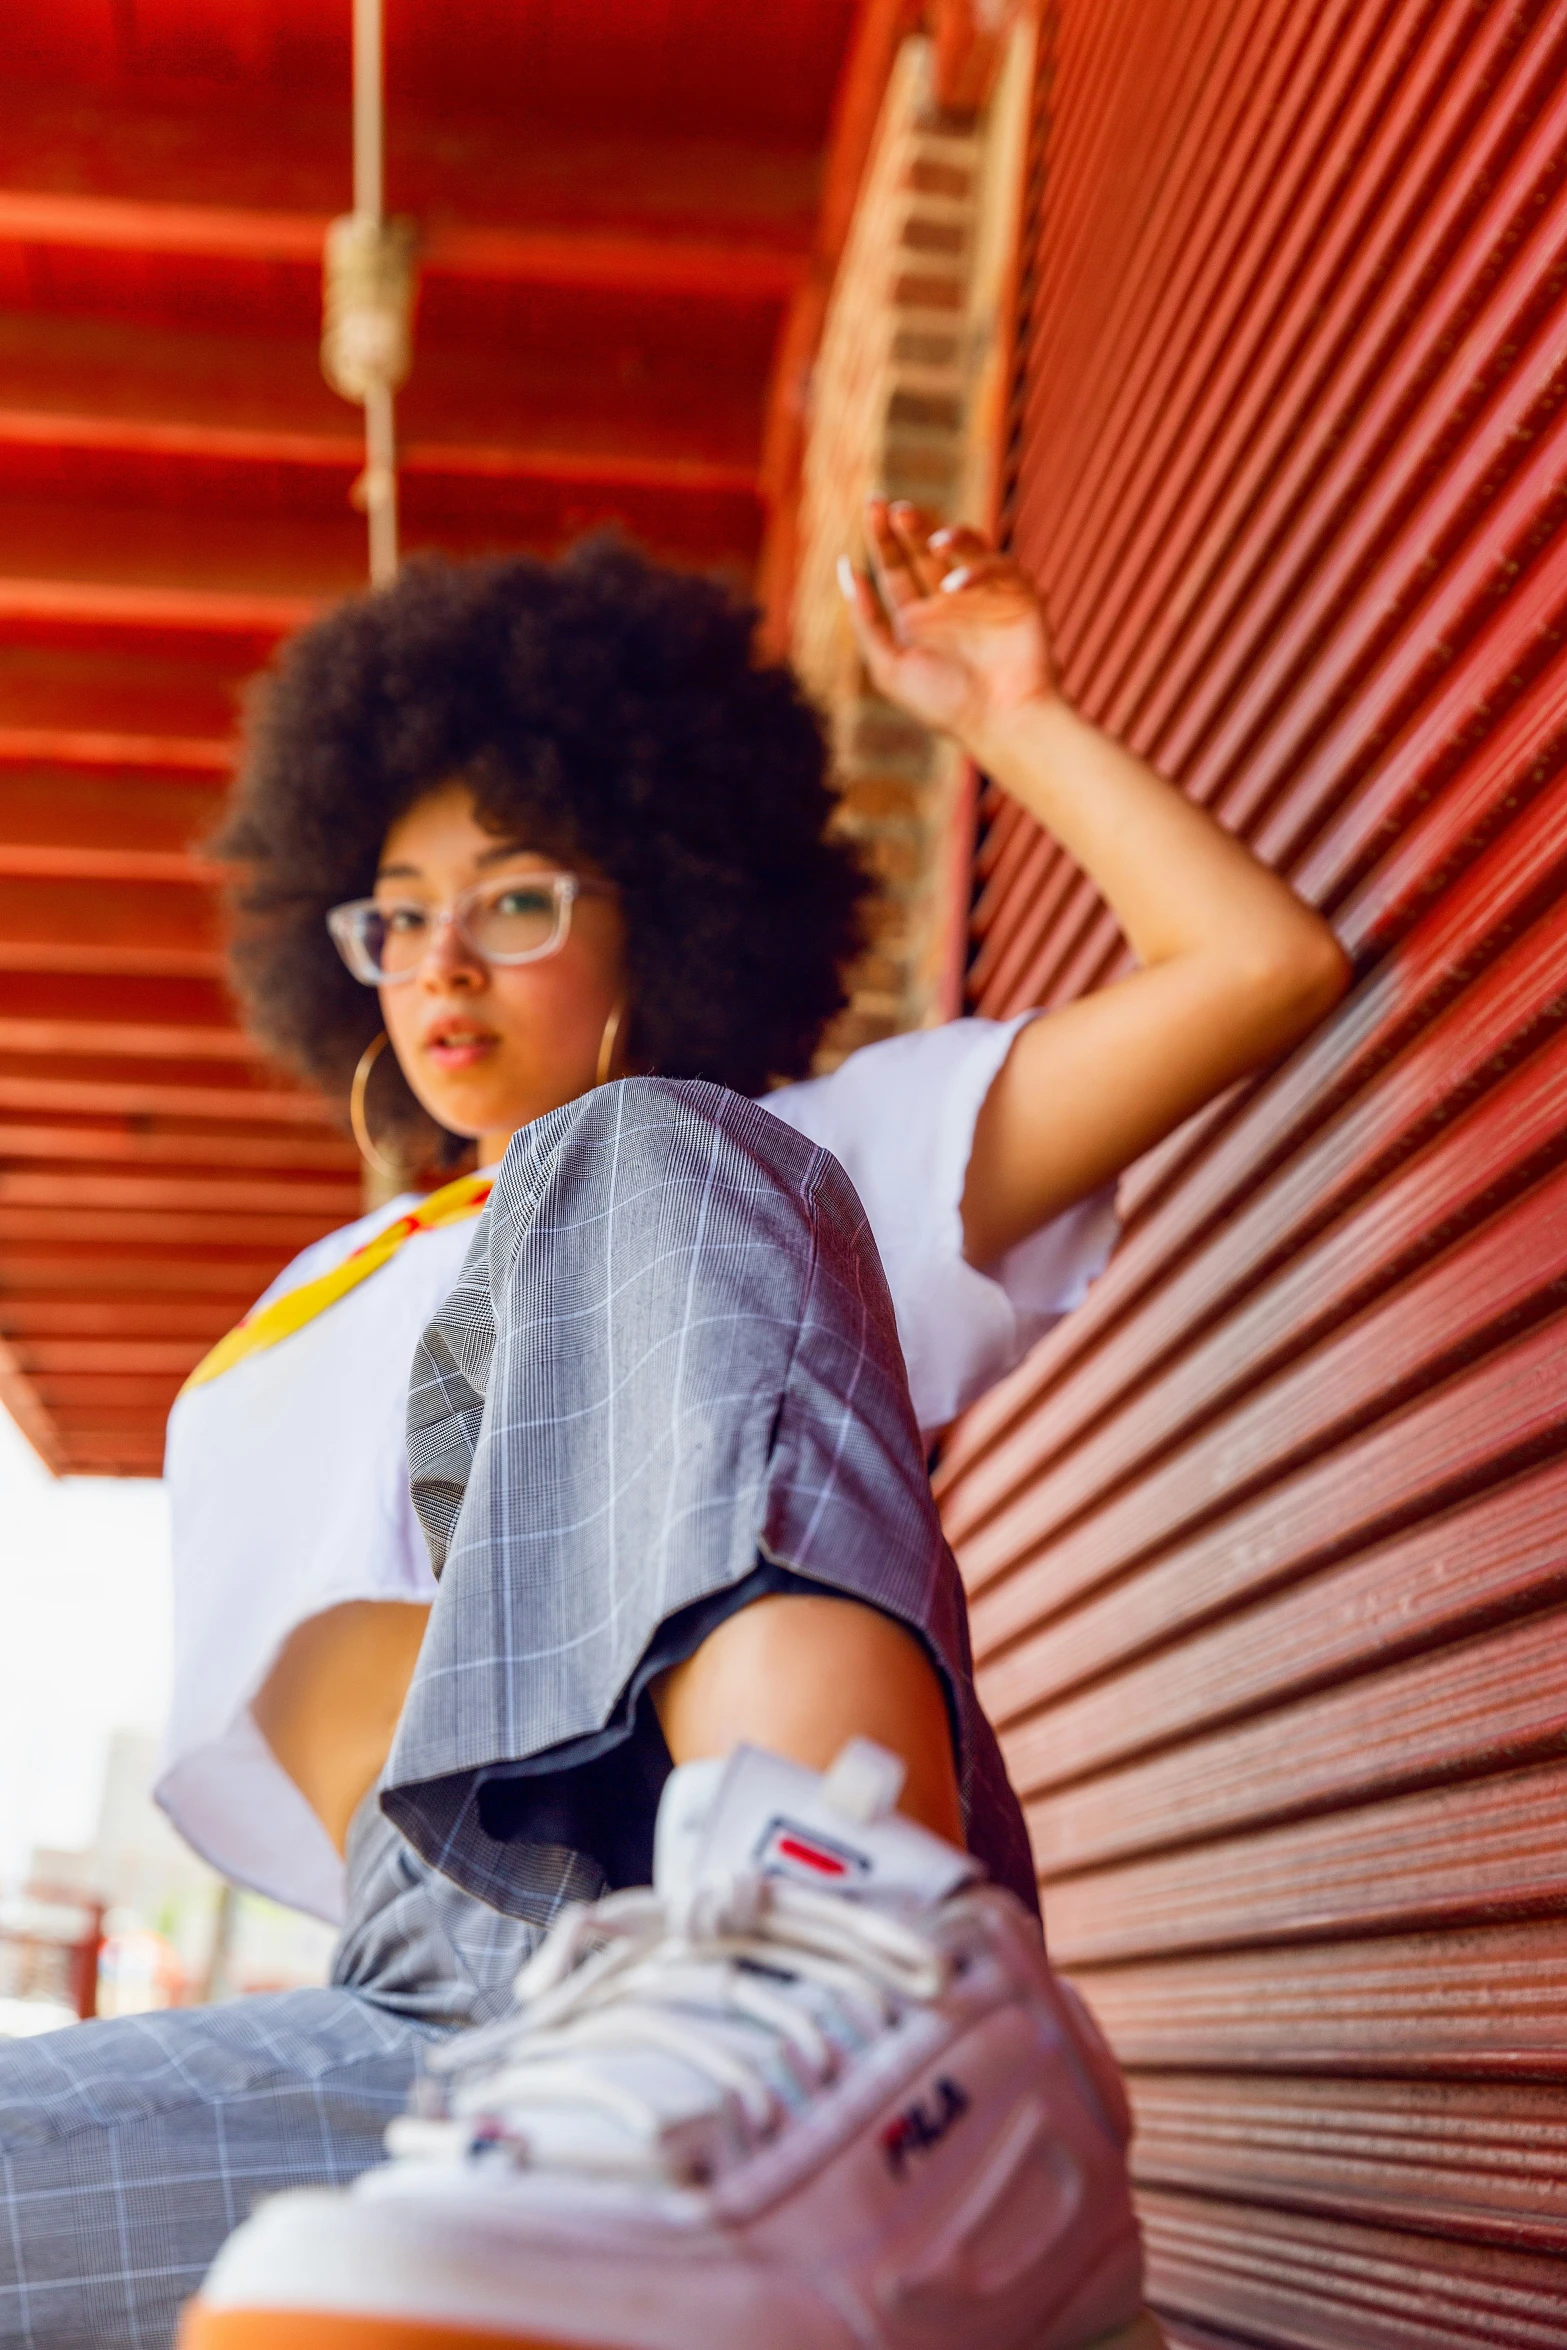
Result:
[
  {"x": 949, "y": 628},
  {"x": 1234, "y": 968}
]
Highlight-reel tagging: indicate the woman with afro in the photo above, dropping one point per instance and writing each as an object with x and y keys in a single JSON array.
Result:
[{"x": 507, "y": 833}]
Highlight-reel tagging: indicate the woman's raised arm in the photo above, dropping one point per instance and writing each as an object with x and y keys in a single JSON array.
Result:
[{"x": 1233, "y": 967}]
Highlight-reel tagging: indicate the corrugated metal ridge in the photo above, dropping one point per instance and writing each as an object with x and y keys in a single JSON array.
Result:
[
  {"x": 1084, "y": 240},
  {"x": 1434, "y": 811},
  {"x": 1143, "y": 58},
  {"x": 1473, "y": 680},
  {"x": 1024, "y": 908},
  {"x": 1474, "y": 1043},
  {"x": 1385, "y": 670},
  {"x": 1316, "y": 687},
  {"x": 1468, "y": 927},
  {"x": 1318, "y": 2284},
  {"x": 1489, "y": 1702},
  {"x": 1200, "y": 68},
  {"x": 1352, "y": 307},
  {"x": 1486, "y": 1848},
  {"x": 1242, "y": 264},
  {"x": 1451, "y": 1576},
  {"x": 1000, "y": 816},
  {"x": 1484, "y": 2159},
  {"x": 1485, "y": 1291},
  {"x": 1271, "y": 409},
  {"x": 1478, "y": 1159},
  {"x": 1483, "y": 2002},
  {"x": 1483, "y": 1426},
  {"x": 1263, "y": 1544}
]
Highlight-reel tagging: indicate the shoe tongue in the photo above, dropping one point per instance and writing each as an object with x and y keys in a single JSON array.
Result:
[{"x": 836, "y": 1830}]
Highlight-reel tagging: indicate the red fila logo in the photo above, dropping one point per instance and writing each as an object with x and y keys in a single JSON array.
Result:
[
  {"x": 788, "y": 1850},
  {"x": 923, "y": 2124}
]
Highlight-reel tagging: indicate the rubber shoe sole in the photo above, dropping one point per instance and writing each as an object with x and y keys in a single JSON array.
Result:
[
  {"x": 1142, "y": 2334},
  {"x": 270, "y": 2329}
]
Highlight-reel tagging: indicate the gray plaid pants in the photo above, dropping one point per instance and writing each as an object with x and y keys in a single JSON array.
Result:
[{"x": 668, "y": 1379}]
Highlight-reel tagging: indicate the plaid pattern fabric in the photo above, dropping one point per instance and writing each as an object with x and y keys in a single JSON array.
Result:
[
  {"x": 671, "y": 1347},
  {"x": 128, "y": 2150}
]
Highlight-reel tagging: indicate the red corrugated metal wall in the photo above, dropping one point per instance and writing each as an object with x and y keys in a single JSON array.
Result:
[{"x": 1267, "y": 1548}]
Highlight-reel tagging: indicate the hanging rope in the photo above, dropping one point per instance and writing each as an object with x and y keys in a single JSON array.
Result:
[{"x": 367, "y": 299}]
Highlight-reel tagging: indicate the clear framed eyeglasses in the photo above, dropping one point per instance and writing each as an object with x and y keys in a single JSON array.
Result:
[{"x": 519, "y": 918}]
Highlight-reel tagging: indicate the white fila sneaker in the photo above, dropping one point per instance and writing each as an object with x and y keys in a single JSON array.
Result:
[{"x": 818, "y": 2090}]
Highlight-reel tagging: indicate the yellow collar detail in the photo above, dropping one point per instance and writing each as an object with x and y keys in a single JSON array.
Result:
[{"x": 284, "y": 1315}]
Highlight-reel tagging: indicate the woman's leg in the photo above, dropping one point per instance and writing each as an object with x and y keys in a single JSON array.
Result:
[
  {"x": 802, "y": 1676},
  {"x": 129, "y": 2150},
  {"x": 667, "y": 1387},
  {"x": 676, "y": 1353}
]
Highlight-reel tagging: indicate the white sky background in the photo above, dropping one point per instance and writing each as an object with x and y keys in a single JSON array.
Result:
[{"x": 85, "y": 1639}]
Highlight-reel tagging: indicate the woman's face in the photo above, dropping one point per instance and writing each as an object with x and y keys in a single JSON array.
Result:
[{"x": 487, "y": 1048}]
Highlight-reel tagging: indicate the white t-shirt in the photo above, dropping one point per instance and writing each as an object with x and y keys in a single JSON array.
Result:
[{"x": 289, "y": 1479}]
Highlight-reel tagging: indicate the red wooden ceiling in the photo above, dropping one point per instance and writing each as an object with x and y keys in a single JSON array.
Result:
[{"x": 618, "y": 199}]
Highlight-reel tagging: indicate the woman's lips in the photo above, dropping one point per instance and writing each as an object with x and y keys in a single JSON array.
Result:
[{"x": 459, "y": 1049}]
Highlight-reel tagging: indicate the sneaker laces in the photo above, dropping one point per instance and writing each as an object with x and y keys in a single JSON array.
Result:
[{"x": 761, "y": 1988}]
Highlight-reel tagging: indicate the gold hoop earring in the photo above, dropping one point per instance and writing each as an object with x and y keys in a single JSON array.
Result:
[
  {"x": 373, "y": 1158},
  {"x": 608, "y": 1042}
]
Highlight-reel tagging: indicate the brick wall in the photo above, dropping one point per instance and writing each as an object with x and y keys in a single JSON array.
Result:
[{"x": 906, "y": 401}]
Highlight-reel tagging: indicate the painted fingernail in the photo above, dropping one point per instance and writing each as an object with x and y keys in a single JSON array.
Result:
[
  {"x": 951, "y": 581},
  {"x": 943, "y": 537},
  {"x": 846, "y": 577}
]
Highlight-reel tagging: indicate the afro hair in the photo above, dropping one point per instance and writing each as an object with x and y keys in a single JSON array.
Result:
[{"x": 601, "y": 707}]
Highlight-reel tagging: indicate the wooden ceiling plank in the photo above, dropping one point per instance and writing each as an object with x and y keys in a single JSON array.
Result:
[
  {"x": 228, "y": 1104},
  {"x": 116, "y": 1420},
  {"x": 21, "y": 1399},
  {"x": 44, "y": 861},
  {"x": 79, "y": 677},
  {"x": 546, "y": 367},
  {"x": 26, "y": 1270},
  {"x": 713, "y": 269},
  {"x": 66, "y": 746},
  {"x": 50, "y": 817},
  {"x": 107, "y": 1452},
  {"x": 43, "y": 217},
  {"x": 207, "y": 1194},
  {"x": 189, "y": 1229},
  {"x": 185, "y": 530},
  {"x": 104, "y": 1454},
  {"x": 136, "y": 1039},
  {"x": 245, "y": 461},
  {"x": 110, "y": 962},
  {"x": 173, "y": 488},
  {"x": 151, "y": 609},
  {"x": 710, "y": 269},
  {"x": 28, "y": 1317},
  {"x": 136, "y": 1145},
  {"x": 149, "y": 1396},
  {"x": 241, "y": 447},
  {"x": 156, "y": 916},
  {"x": 161, "y": 1358}
]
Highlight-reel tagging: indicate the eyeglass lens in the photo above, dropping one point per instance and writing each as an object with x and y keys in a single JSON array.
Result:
[{"x": 511, "y": 922}]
